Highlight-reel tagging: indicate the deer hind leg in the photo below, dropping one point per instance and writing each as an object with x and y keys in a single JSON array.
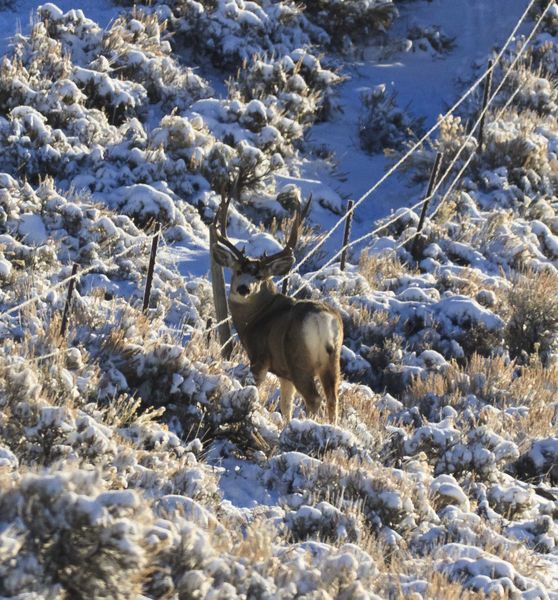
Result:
[
  {"x": 330, "y": 382},
  {"x": 259, "y": 370},
  {"x": 287, "y": 393},
  {"x": 305, "y": 384}
]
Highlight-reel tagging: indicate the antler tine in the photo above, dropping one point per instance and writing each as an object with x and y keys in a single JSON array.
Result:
[
  {"x": 299, "y": 218},
  {"x": 218, "y": 228},
  {"x": 300, "y": 215}
]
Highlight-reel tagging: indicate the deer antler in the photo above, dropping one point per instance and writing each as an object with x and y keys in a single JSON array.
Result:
[
  {"x": 288, "y": 250},
  {"x": 218, "y": 228}
]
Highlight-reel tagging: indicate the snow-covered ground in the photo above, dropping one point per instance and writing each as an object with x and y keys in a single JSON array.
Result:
[
  {"x": 426, "y": 83},
  {"x": 134, "y": 460}
]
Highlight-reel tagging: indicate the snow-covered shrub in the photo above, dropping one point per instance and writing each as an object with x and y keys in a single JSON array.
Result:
[
  {"x": 539, "y": 462},
  {"x": 230, "y": 32},
  {"x": 532, "y": 91},
  {"x": 533, "y": 321},
  {"x": 315, "y": 440},
  {"x": 430, "y": 39},
  {"x": 524, "y": 397},
  {"x": 163, "y": 375},
  {"x": 244, "y": 167},
  {"x": 295, "y": 85},
  {"x": 322, "y": 521},
  {"x": 34, "y": 147},
  {"x": 452, "y": 133},
  {"x": 135, "y": 47},
  {"x": 517, "y": 147},
  {"x": 483, "y": 452},
  {"x": 351, "y": 21},
  {"x": 384, "y": 502},
  {"x": 385, "y": 126},
  {"x": 484, "y": 572},
  {"x": 73, "y": 537},
  {"x": 511, "y": 501}
]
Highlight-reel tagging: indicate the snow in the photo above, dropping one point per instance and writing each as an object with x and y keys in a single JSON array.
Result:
[{"x": 136, "y": 433}]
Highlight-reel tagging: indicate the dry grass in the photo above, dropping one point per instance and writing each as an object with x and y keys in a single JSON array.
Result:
[
  {"x": 256, "y": 545},
  {"x": 356, "y": 408},
  {"x": 532, "y": 305},
  {"x": 500, "y": 383},
  {"x": 395, "y": 562},
  {"x": 379, "y": 270}
]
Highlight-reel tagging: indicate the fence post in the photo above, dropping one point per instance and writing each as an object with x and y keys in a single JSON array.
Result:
[
  {"x": 220, "y": 300},
  {"x": 150, "y": 270},
  {"x": 486, "y": 94},
  {"x": 346, "y": 233},
  {"x": 71, "y": 286},
  {"x": 431, "y": 184}
]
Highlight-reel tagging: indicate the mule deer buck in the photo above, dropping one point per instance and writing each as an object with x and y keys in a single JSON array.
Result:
[{"x": 296, "y": 340}]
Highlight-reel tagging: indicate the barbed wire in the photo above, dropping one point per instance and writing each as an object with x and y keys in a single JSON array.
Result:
[
  {"x": 404, "y": 158},
  {"x": 469, "y": 137},
  {"x": 497, "y": 117},
  {"x": 66, "y": 280},
  {"x": 417, "y": 144}
]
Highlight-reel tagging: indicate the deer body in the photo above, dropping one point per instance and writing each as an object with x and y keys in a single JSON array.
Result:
[{"x": 296, "y": 340}]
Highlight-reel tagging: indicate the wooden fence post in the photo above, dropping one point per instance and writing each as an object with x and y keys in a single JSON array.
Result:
[
  {"x": 150, "y": 270},
  {"x": 346, "y": 233},
  {"x": 208, "y": 328},
  {"x": 486, "y": 94},
  {"x": 66, "y": 313},
  {"x": 220, "y": 298},
  {"x": 431, "y": 184}
]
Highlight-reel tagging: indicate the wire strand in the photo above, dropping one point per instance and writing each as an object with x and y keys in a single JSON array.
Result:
[
  {"x": 458, "y": 154},
  {"x": 64, "y": 281},
  {"x": 439, "y": 122}
]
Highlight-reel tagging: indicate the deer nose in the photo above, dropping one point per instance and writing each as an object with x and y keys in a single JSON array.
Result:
[{"x": 242, "y": 290}]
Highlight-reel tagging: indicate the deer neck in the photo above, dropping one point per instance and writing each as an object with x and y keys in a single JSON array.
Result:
[{"x": 258, "y": 309}]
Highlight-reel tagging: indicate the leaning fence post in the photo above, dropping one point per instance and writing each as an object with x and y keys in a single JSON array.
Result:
[
  {"x": 431, "y": 184},
  {"x": 66, "y": 312},
  {"x": 220, "y": 300},
  {"x": 150, "y": 270},
  {"x": 486, "y": 94},
  {"x": 346, "y": 233}
]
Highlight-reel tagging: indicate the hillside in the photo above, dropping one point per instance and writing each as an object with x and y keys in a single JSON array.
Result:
[{"x": 136, "y": 462}]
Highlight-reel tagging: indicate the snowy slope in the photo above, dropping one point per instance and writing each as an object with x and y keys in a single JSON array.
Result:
[{"x": 134, "y": 460}]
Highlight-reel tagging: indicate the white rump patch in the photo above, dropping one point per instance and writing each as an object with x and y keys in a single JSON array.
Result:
[{"x": 320, "y": 333}]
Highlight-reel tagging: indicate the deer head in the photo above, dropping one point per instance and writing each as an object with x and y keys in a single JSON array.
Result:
[{"x": 251, "y": 276}]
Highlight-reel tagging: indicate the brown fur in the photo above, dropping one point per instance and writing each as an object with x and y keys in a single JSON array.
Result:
[
  {"x": 275, "y": 329},
  {"x": 270, "y": 327}
]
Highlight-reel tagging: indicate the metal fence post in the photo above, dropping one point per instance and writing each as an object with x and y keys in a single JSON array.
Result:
[
  {"x": 150, "y": 270},
  {"x": 431, "y": 184},
  {"x": 346, "y": 233},
  {"x": 66, "y": 313}
]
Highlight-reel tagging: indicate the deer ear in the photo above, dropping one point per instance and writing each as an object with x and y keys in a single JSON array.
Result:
[
  {"x": 279, "y": 266},
  {"x": 223, "y": 256}
]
